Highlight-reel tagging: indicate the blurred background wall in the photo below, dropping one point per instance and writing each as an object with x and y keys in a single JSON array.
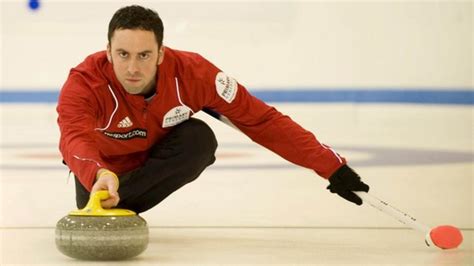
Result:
[{"x": 284, "y": 45}]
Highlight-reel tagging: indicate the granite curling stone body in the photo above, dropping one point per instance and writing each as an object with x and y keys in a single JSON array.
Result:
[{"x": 94, "y": 233}]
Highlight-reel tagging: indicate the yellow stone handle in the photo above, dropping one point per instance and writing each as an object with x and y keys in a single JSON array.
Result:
[
  {"x": 95, "y": 199},
  {"x": 94, "y": 207}
]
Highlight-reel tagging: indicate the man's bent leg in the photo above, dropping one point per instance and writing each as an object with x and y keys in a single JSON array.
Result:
[{"x": 175, "y": 161}]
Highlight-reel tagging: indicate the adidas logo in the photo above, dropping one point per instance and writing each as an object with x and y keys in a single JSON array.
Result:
[{"x": 126, "y": 122}]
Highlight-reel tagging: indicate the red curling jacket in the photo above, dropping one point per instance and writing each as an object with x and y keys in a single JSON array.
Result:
[{"x": 103, "y": 126}]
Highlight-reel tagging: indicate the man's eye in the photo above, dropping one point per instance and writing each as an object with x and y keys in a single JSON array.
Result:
[
  {"x": 123, "y": 54},
  {"x": 144, "y": 56}
]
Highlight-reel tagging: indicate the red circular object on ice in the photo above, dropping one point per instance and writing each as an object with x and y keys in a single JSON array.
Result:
[{"x": 446, "y": 236}]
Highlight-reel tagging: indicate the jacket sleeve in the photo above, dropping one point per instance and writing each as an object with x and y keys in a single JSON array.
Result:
[
  {"x": 77, "y": 110},
  {"x": 265, "y": 125}
]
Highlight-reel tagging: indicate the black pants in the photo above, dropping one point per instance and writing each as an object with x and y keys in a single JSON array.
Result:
[{"x": 175, "y": 161}]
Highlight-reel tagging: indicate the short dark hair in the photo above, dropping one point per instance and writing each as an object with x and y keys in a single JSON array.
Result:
[{"x": 136, "y": 17}]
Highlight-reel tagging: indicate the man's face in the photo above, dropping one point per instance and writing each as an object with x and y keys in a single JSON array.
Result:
[{"x": 135, "y": 57}]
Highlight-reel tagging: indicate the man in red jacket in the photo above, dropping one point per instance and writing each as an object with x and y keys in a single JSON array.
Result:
[{"x": 125, "y": 116}]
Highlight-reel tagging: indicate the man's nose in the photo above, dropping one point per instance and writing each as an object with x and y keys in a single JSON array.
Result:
[{"x": 132, "y": 67}]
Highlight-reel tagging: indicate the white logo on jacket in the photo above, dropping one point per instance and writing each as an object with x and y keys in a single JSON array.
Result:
[
  {"x": 226, "y": 87},
  {"x": 176, "y": 116},
  {"x": 126, "y": 122}
]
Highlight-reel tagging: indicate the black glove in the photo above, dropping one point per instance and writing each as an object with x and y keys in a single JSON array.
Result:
[{"x": 344, "y": 181}]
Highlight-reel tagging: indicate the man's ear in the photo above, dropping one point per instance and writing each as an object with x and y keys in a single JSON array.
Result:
[
  {"x": 109, "y": 53},
  {"x": 161, "y": 55}
]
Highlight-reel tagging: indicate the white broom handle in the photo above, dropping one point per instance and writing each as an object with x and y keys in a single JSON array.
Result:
[{"x": 401, "y": 216}]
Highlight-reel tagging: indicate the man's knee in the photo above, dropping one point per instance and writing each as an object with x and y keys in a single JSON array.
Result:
[
  {"x": 200, "y": 146},
  {"x": 193, "y": 138},
  {"x": 200, "y": 137}
]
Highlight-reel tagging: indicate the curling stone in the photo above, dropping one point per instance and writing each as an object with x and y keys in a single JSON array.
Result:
[{"x": 94, "y": 233}]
